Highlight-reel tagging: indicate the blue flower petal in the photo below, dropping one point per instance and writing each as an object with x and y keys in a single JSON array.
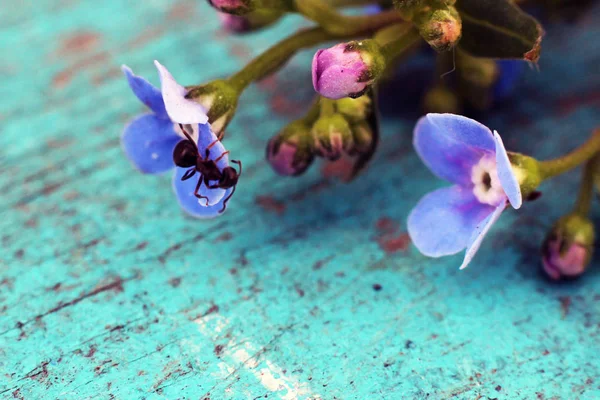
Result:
[
  {"x": 148, "y": 141},
  {"x": 180, "y": 109},
  {"x": 444, "y": 220},
  {"x": 191, "y": 204},
  {"x": 450, "y": 145},
  {"x": 506, "y": 174},
  {"x": 480, "y": 231},
  {"x": 146, "y": 92},
  {"x": 206, "y": 137}
]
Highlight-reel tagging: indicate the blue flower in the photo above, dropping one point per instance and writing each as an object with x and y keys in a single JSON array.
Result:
[
  {"x": 149, "y": 140},
  {"x": 466, "y": 153}
]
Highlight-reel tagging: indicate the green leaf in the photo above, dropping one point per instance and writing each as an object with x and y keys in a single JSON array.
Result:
[{"x": 499, "y": 29}]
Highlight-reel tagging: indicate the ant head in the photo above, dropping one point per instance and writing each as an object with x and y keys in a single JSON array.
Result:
[
  {"x": 185, "y": 154},
  {"x": 229, "y": 177}
]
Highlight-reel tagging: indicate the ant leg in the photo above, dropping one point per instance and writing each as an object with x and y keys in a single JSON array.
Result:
[
  {"x": 222, "y": 155},
  {"x": 227, "y": 199},
  {"x": 198, "y": 195},
  {"x": 188, "y": 174},
  {"x": 239, "y": 163}
]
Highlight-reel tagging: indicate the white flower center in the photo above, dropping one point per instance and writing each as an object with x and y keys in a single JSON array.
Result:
[
  {"x": 191, "y": 130},
  {"x": 487, "y": 188}
]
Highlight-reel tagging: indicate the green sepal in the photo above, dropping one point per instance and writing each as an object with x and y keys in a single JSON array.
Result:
[{"x": 499, "y": 29}]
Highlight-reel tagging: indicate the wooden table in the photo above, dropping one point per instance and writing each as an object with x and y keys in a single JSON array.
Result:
[{"x": 305, "y": 288}]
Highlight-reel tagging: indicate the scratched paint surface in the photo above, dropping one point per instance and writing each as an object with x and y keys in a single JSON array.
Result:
[{"x": 307, "y": 288}]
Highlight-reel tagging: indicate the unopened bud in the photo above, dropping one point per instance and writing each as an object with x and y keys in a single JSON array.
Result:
[
  {"x": 355, "y": 110},
  {"x": 290, "y": 152},
  {"x": 347, "y": 69},
  {"x": 440, "y": 99},
  {"x": 235, "y": 7},
  {"x": 332, "y": 135},
  {"x": 249, "y": 22},
  {"x": 568, "y": 247},
  {"x": 220, "y": 99},
  {"x": 440, "y": 27}
]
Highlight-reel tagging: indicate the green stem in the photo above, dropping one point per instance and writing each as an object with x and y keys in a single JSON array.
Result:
[
  {"x": 276, "y": 56},
  {"x": 335, "y": 23},
  {"x": 399, "y": 46},
  {"x": 586, "y": 190},
  {"x": 327, "y": 107},
  {"x": 567, "y": 162}
]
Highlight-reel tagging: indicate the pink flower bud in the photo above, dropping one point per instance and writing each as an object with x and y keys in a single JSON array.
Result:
[
  {"x": 568, "y": 248},
  {"x": 290, "y": 152},
  {"x": 347, "y": 69},
  {"x": 569, "y": 263},
  {"x": 237, "y": 7}
]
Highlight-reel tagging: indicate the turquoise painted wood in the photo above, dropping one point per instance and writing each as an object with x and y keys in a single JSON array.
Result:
[{"x": 306, "y": 288}]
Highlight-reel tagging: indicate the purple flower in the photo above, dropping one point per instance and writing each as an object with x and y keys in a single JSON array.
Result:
[
  {"x": 466, "y": 153},
  {"x": 346, "y": 69},
  {"x": 149, "y": 139}
]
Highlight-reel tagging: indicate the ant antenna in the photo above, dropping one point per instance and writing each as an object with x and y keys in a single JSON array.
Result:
[
  {"x": 187, "y": 135},
  {"x": 453, "y": 64}
]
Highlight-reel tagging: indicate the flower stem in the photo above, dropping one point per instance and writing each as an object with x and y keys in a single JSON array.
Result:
[
  {"x": 335, "y": 23},
  {"x": 276, "y": 56},
  {"x": 586, "y": 190},
  {"x": 567, "y": 162},
  {"x": 403, "y": 41}
]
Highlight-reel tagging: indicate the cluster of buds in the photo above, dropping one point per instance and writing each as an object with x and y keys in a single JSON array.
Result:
[{"x": 346, "y": 127}]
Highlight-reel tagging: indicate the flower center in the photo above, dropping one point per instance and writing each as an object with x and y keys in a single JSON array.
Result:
[{"x": 487, "y": 188}]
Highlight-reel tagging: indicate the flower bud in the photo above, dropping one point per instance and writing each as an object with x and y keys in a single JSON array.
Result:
[
  {"x": 249, "y": 22},
  {"x": 440, "y": 27},
  {"x": 332, "y": 136},
  {"x": 347, "y": 69},
  {"x": 567, "y": 250},
  {"x": 219, "y": 98},
  {"x": 290, "y": 152},
  {"x": 354, "y": 110},
  {"x": 235, "y": 7},
  {"x": 363, "y": 137},
  {"x": 440, "y": 99}
]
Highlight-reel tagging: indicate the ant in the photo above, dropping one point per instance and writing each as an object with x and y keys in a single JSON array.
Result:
[{"x": 186, "y": 154}]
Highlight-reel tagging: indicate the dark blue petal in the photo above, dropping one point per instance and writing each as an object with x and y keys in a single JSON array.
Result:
[
  {"x": 480, "y": 231},
  {"x": 148, "y": 141},
  {"x": 444, "y": 220},
  {"x": 146, "y": 92},
  {"x": 506, "y": 174},
  {"x": 450, "y": 145},
  {"x": 191, "y": 204}
]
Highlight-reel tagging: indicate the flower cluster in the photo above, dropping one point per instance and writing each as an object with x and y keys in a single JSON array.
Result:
[{"x": 187, "y": 125}]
